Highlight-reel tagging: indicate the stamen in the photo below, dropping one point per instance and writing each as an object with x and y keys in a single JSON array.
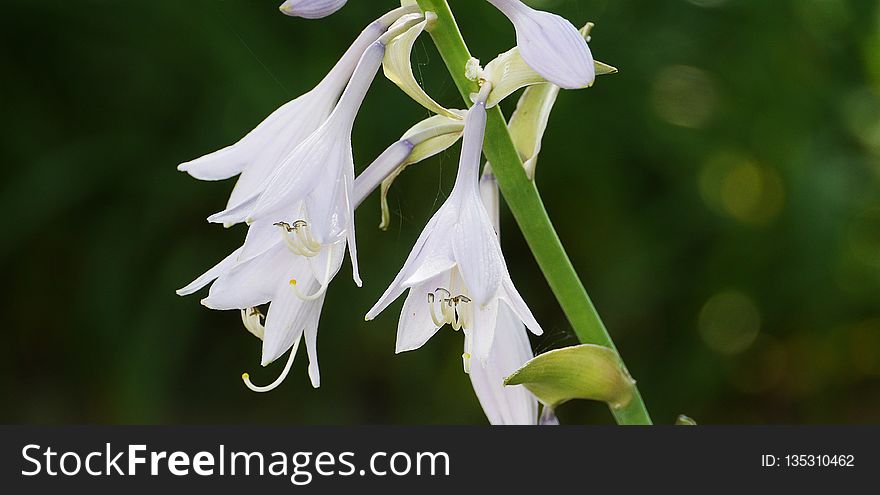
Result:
[
  {"x": 466, "y": 356},
  {"x": 451, "y": 311},
  {"x": 324, "y": 285},
  {"x": 437, "y": 321},
  {"x": 272, "y": 386},
  {"x": 253, "y": 322},
  {"x": 306, "y": 297},
  {"x": 301, "y": 241}
]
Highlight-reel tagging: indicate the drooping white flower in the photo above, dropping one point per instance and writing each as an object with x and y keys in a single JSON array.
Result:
[
  {"x": 456, "y": 273},
  {"x": 503, "y": 405},
  {"x": 550, "y": 45},
  {"x": 312, "y": 188},
  {"x": 283, "y": 278},
  {"x": 263, "y": 149},
  {"x": 311, "y": 9}
]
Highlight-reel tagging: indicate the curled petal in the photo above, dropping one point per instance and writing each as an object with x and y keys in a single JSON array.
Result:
[
  {"x": 508, "y": 72},
  {"x": 397, "y": 67},
  {"x": 529, "y": 121}
]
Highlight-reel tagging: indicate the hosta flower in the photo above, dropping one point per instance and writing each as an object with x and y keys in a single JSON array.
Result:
[
  {"x": 511, "y": 349},
  {"x": 456, "y": 274},
  {"x": 550, "y": 45},
  {"x": 263, "y": 149},
  {"x": 311, "y": 9},
  {"x": 282, "y": 277},
  {"x": 310, "y": 194}
]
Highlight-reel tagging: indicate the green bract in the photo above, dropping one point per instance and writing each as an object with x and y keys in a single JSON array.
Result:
[{"x": 580, "y": 372}]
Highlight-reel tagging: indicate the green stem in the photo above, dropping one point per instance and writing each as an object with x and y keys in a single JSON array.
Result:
[{"x": 525, "y": 203}]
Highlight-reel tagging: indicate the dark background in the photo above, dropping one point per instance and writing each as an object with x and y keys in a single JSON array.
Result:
[{"x": 719, "y": 197}]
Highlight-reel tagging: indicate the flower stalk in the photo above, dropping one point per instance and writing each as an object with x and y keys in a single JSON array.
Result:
[{"x": 525, "y": 203}]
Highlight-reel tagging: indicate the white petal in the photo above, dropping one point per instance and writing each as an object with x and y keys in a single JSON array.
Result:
[
  {"x": 510, "y": 350},
  {"x": 490, "y": 197},
  {"x": 311, "y": 334},
  {"x": 415, "y": 326},
  {"x": 483, "y": 329},
  {"x": 287, "y": 318},
  {"x": 551, "y": 45},
  {"x": 477, "y": 251},
  {"x": 252, "y": 282},
  {"x": 413, "y": 263},
  {"x": 307, "y": 117},
  {"x": 325, "y": 265},
  {"x": 261, "y": 236},
  {"x": 318, "y": 156},
  {"x": 231, "y": 160},
  {"x": 511, "y": 296},
  {"x": 237, "y": 213},
  {"x": 220, "y": 268},
  {"x": 430, "y": 267},
  {"x": 311, "y": 9}
]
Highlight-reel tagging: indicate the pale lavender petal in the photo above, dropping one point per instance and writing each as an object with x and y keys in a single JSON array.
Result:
[
  {"x": 511, "y": 296},
  {"x": 376, "y": 172},
  {"x": 311, "y": 335},
  {"x": 287, "y": 318},
  {"x": 311, "y": 9},
  {"x": 415, "y": 326},
  {"x": 510, "y": 350},
  {"x": 550, "y": 45},
  {"x": 483, "y": 328},
  {"x": 252, "y": 282}
]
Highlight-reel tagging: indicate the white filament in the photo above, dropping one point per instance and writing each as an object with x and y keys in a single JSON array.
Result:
[{"x": 272, "y": 386}]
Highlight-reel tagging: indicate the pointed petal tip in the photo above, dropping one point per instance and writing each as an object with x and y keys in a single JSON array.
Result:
[{"x": 314, "y": 375}]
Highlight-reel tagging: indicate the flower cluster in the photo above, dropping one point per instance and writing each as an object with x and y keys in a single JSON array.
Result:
[{"x": 297, "y": 192}]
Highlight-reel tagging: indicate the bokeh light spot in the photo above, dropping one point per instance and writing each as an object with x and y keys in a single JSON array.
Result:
[
  {"x": 684, "y": 96},
  {"x": 742, "y": 188},
  {"x": 729, "y": 322}
]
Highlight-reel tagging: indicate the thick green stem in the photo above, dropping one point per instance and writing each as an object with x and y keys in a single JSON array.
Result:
[{"x": 525, "y": 203}]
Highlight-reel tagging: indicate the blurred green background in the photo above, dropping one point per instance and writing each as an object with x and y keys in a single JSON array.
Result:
[{"x": 720, "y": 198}]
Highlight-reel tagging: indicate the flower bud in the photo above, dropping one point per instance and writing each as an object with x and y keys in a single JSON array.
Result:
[
  {"x": 311, "y": 9},
  {"x": 551, "y": 45}
]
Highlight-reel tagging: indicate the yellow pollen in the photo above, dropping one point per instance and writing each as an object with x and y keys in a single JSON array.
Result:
[
  {"x": 293, "y": 281},
  {"x": 245, "y": 376}
]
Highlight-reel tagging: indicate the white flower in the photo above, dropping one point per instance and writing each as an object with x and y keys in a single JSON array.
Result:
[
  {"x": 513, "y": 405},
  {"x": 456, "y": 273},
  {"x": 550, "y": 45},
  {"x": 311, "y": 9},
  {"x": 283, "y": 278},
  {"x": 263, "y": 149},
  {"x": 312, "y": 188}
]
